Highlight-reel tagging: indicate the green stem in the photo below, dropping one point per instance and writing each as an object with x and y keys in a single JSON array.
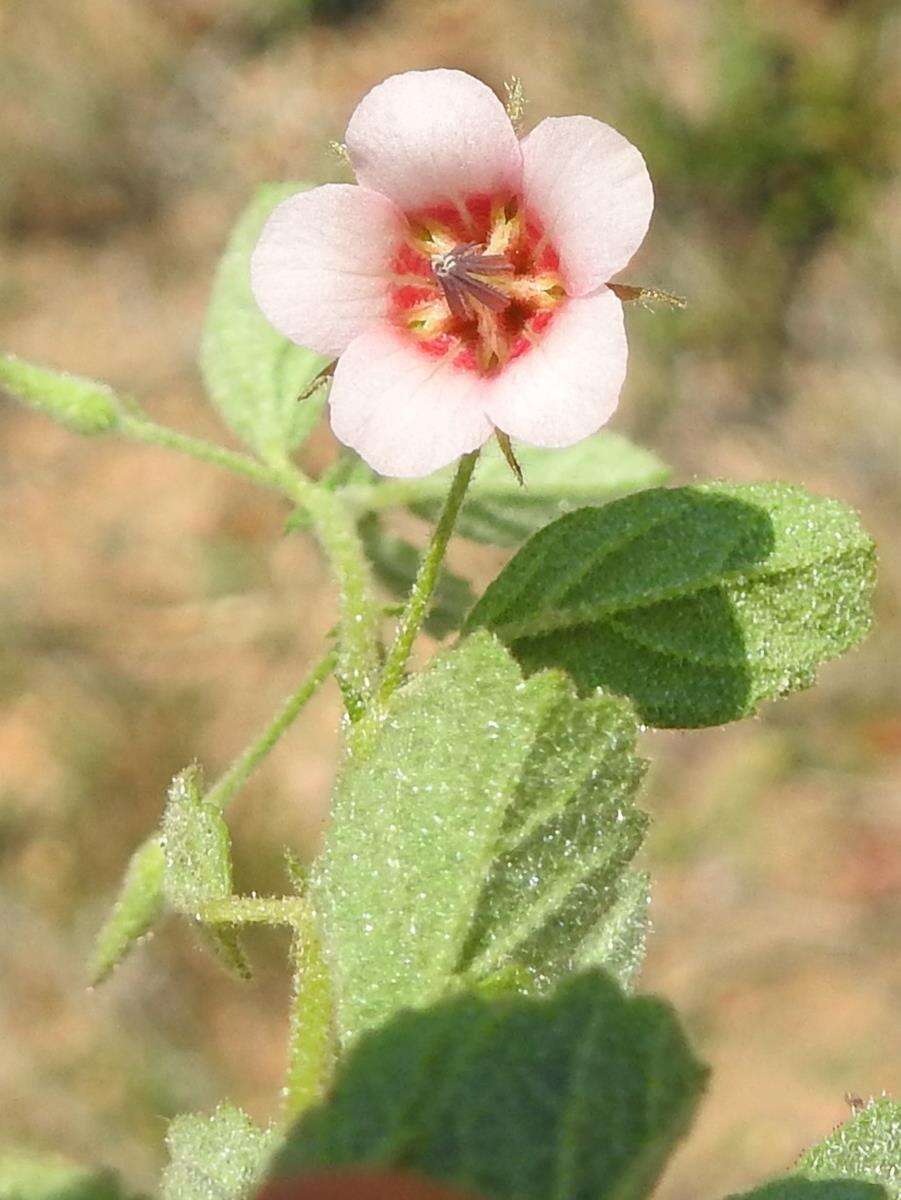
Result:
[
  {"x": 311, "y": 1045},
  {"x": 426, "y": 578},
  {"x": 253, "y": 910},
  {"x": 244, "y": 766},
  {"x": 141, "y": 429},
  {"x": 337, "y": 534}
]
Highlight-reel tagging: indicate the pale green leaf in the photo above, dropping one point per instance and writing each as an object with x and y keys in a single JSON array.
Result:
[
  {"x": 867, "y": 1147},
  {"x": 253, "y": 375},
  {"x": 215, "y": 1157},
  {"x": 501, "y": 512},
  {"x": 82, "y": 405},
  {"x": 488, "y": 827},
  {"x": 136, "y": 910},
  {"x": 197, "y": 849},
  {"x": 577, "y": 1096},
  {"x": 697, "y": 602},
  {"x": 794, "y": 1187},
  {"x": 28, "y": 1176}
]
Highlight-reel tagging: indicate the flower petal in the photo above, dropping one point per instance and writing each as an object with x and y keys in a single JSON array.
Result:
[
  {"x": 429, "y": 136},
  {"x": 591, "y": 190},
  {"x": 405, "y": 413},
  {"x": 320, "y": 269},
  {"x": 567, "y": 386}
]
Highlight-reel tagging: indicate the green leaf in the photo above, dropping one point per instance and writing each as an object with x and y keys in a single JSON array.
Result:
[
  {"x": 577, "y": 1096},
  {"x": 696, "y": 602},
  {"x": 82, "y": 405},
  {"x": 868, "y": 1147},
  {"x": 198, "y": 868},
  {"x": 26, "y": 1176},
  {"x": 488, "y": 827},
  {"x": 254, "y": 375},
  {"x": 395, "y": 564},
  {"x": 137, "y": 909},
  {"x": 501, "y": 512},
  {"x": 217, "y": 1157},
  {"x": 795, "y": 1188}
]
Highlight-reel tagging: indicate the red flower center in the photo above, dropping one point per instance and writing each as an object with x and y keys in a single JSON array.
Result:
[{"x": 475, "y": 282}]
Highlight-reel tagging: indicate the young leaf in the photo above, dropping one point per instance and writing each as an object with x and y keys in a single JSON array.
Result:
[
  {"x": 395, "y": 564},
  {"x": 82, "y": 405},
  {"x": 488, "y": 827},
  {"x": 868, "y": 1147},
  {"x": 696, "y": 602},
  {"x": 501, "y": 512},
  {"x": 137, "y": 909},
  {"x": 253, "y": 375},
  {"x": 197, "y": 850},
  {"x": 580, "y": 1094},
  {"x": 25, "y": 1176},
  {"x": 217, "y": 1157}
]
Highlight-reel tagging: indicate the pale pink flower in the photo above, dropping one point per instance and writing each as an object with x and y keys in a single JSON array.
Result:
[{"x": 462, "y": 283}]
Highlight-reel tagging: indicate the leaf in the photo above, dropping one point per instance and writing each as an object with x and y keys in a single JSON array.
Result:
[
  {"x": 217, "y": 1157},
  {"x": 137, "y": 909},
  {"x": 868, "y": 1147},
  {"x": 254, "y": 375},
  {"x": 396, "y": 563},
  {"x": 488, "y": 827},
  {"x": 359, "y": 1185},
  {"x": 26, "y": 1176},
  {"x": 82, "y": 405},
  {"x": 796, "y": 1188},
  {"x": 696, "y": 602},
  {"x": 579, "y": 1096},
  {"x": 197, "y": 850},
  {"x": 500, "y": 512}
]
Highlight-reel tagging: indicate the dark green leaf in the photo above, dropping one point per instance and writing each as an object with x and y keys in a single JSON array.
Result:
[
  {"x": 501, "y": 512},
  {"x": 795, "y": 1188},
  {"x": 216, "y": 1157},
  {"x": 577, "y": 1096},
  {"x": 489, "y": 827},
  {"x": 395, "y": 564},
  {"x": 137, "y": 909},
  {"x": 254, "y": 375},
  {"x": 82, "y": 405},
  {"x": 696, "y": 602}
]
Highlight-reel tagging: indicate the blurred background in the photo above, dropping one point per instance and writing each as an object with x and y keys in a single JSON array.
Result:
[{"x": 152, "y": 611}]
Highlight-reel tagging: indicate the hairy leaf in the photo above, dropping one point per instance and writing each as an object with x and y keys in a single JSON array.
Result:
[
  {"x": 26, "y": 1176},
  {"x": 198, "y": 868},
  {"x": 696, "y": 602},
  {"x": 868, "y": 1147},
  {"x": 395, "y": 563},
  {"x": 501, "y": 512},
  {"x": 794, "y": 1187},
  {"x": 137, "y": 909},
  {"x": 576, "y": 1096},
  {"x": 489, "y": 826},
  {"x": 82, "y": 405},
  {"x": 215, "y": 1157},
  {"x": 253, "y": 375}
]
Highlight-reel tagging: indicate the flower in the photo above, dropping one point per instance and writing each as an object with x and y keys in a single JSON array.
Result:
[{"x": 462, "y": 283}]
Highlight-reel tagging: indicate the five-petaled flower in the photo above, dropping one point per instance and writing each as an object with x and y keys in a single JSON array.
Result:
[{"x": 463, "y": 283}]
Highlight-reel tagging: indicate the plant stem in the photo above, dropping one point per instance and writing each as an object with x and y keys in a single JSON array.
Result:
[
  {"x": 337, "y": 534},
  {"x": 253, "y": 910},
  {"x": 426, "y": 578},
  {"x": 141, "y": 429},
  {"x": 243, "y": 767},
  {"x": 311, "y": 1044}
]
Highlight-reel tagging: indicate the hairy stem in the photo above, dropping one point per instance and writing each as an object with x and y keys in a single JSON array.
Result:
[
  {"x": 243, "y": 767},
  {"x": 418, "y": 601},
  {"x": 141, "y": 429},
  {"x": 311, "y": 1042},
  {"x": 253, "y": 910},
  {"x": 337, "y": 533}
]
